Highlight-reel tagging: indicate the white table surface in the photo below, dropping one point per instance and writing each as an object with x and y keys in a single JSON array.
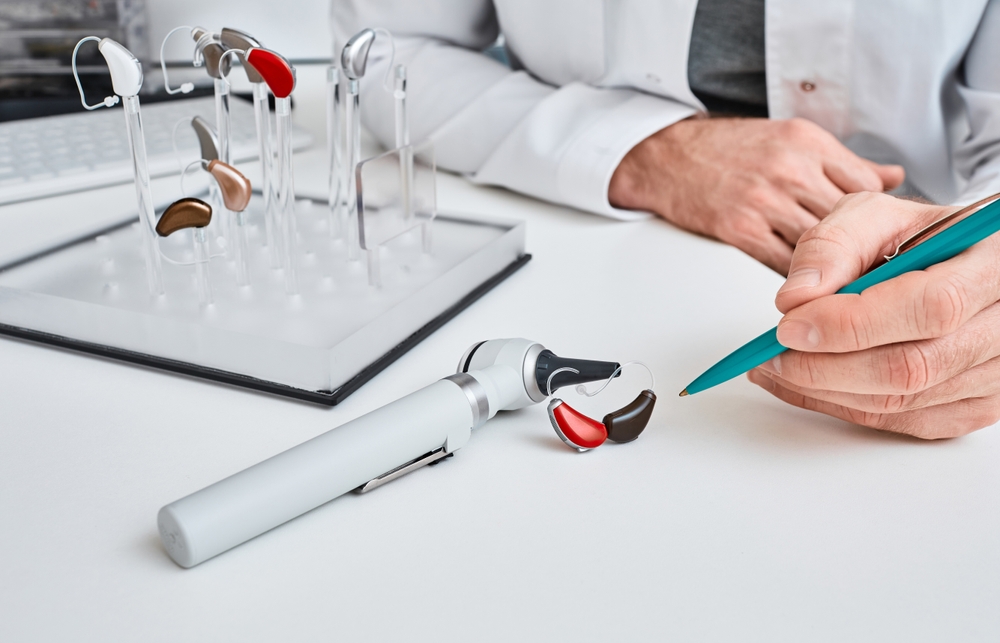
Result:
[{"x": 733, "y": 518}]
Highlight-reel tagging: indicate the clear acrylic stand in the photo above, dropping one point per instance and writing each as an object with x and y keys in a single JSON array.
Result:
[
  {"x": 396, "y": 194},
  {"x": 319, "y": 345},
  {"x": 315, "y": 327}
]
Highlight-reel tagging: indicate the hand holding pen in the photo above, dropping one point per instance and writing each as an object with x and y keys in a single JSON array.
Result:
[{"x": 915, "y": 354}]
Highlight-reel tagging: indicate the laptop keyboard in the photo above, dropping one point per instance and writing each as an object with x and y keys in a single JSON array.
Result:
[{"x": 52, "y": 155}]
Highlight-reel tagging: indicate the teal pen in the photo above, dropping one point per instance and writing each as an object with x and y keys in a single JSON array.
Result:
[{"x": 984, "y": 221}]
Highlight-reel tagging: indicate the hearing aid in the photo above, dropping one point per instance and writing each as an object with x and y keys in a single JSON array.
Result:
[
  {"x": 354, "y": 57},
  {"x": 242, "y": 41},
  {"x": 276, "y": 71},
  {"x": 126, "y": 80},
  {"x": 584, "y": 433},
  {"x": 209, "y": 52},
  {"x": 184, "y": 213},
  {"x": 207, "y": 141},
  {"x": 235, "y": 188}
]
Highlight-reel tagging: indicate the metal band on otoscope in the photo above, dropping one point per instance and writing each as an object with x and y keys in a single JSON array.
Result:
[{"x": 478, "y": 400}]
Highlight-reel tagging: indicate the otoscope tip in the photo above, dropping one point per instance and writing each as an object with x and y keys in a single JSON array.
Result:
[{"x": 683, "y": 393}]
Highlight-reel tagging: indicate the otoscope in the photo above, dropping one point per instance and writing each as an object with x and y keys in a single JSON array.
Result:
[{"x": 416, "y": 430}]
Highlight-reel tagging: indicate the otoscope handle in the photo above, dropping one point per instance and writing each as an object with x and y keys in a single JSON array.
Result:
[{"x": 244, "y": 505}]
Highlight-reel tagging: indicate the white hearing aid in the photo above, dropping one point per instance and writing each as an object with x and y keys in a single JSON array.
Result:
[
  {"x": 126, "y": 71},
  {"x": 419, "y": 429}
]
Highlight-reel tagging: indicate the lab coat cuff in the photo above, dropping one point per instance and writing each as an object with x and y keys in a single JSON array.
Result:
[{"x": 584, "y": 174}]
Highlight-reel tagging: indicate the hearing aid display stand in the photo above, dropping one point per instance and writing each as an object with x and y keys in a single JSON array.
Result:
[{"x": 318, "y": 345}]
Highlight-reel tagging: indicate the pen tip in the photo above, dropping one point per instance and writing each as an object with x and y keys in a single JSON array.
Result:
[{"x": 684, "y": 393}]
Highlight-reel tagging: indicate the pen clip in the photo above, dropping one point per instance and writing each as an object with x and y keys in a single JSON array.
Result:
[{"x": 929, "y": 231}]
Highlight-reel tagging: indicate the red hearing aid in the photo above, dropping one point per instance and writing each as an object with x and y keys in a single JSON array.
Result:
[
  {"x": 276, "y": 71},
  {"x": 584, "y": 433}
]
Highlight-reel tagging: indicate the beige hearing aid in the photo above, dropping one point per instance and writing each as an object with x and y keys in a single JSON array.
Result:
[{"x": 235, "y": 188}]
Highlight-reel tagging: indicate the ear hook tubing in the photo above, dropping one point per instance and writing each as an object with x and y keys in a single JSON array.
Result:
[
  {"x": 237, "y": 53},
  {"x": 564, "y": 369},
  {"x": 392, "y": 56},
  {"x": 109, "y": 101},
  {"x": 582, "y": 390},
  {"x": 185, "y": 87}
]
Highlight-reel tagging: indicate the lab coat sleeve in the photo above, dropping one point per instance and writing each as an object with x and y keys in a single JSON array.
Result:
[
  {"x": 496, "y": 125},
  {"x": 977, "y": 155}
]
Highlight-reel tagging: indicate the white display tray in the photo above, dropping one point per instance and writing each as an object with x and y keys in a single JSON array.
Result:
[{"x": 318, "y": 345}]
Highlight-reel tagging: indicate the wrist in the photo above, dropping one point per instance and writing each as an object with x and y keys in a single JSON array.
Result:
[{"x": 635, "y": 181}]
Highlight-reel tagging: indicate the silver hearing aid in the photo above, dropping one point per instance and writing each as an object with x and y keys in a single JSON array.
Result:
[
  {"x": 354, "y": 57},
  {"x": 242, "y": 41},
  {"x": 207, "y": 140},
  {"x": 209, "y": 51}
]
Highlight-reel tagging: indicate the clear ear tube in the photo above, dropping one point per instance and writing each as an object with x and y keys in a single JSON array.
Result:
[
  {"x": 236, "y": 192},
  {"x": 286, "y": 188},
  {"x": 262, "y": 115},
  {"x": 195, "y": 214},
  {"x": 403, "y": 140},
  {"x": 126, "y": 78},
  {"x": 240, "y": 42},
  {"x": 144, "y": 196},
  {"x": 201, "y": 257},
  {"x": 280, "y": 79},
  {"x": 333, "y": 145},
  {"x": 352, "y": 149}
]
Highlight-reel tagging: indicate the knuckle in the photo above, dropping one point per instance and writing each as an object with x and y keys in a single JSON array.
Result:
[
  {"x": 890, "y": 404},
  {"x": 759, "y": 199},
  {"x": 805, "y": 370},
  {"x": 794, "y": 175},
  {"x": 825, "y": 236},
  {"x": 744, "y": 227},
  {"x": 798, "y": 128},
  {"x": 943, "y": 308},
  {"x": 855, "y": 324},
  {"x": 907, "y": 368}
]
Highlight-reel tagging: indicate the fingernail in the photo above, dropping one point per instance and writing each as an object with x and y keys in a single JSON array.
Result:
[
  {"x": 772, "y": 365},
  {"x": 798, "y": 334},
  {"x": 801, "y": 278}
]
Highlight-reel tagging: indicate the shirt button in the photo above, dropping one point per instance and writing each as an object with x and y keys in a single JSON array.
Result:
[{"x": 807, "y": 86}]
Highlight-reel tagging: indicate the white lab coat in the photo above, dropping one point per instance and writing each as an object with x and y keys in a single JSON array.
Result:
[{"x": 914, "y": 82}]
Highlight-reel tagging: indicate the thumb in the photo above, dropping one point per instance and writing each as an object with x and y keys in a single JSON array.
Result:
[
  {"x": 841, "y": 247},
  {"x": 892, "y": 175}
]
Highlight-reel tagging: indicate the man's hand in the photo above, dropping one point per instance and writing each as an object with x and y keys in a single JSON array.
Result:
[
  {"x": 917, "y": 354},
  {"x": 753, "y": 183}
]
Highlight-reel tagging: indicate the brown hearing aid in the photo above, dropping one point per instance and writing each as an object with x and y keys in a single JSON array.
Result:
[
  {"x": 235, "y": 188},
  {"x": 184, "y": 213}
]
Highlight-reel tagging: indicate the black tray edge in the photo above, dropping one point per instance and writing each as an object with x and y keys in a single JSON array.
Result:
[{"x": 327, "y": 398}]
